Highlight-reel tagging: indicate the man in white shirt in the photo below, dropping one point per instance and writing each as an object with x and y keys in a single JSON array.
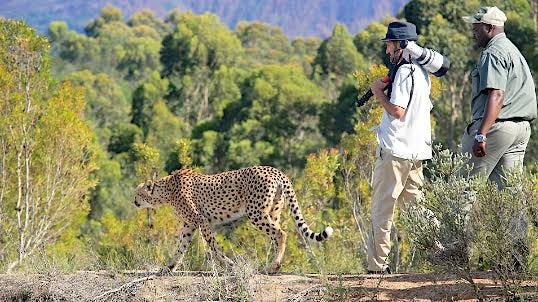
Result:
[{"x": 404, "y": 141}]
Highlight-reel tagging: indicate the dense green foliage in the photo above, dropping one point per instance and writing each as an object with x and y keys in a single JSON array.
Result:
[{"x": 187, "y": 91}]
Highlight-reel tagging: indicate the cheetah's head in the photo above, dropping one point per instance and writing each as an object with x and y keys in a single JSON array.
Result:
[{"x": 144, "y": 195}]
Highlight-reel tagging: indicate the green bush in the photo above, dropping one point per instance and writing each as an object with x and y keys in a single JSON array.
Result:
[{"x": 466, "y": 224}]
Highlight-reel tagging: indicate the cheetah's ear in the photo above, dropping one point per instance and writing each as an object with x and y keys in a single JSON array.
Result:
[{"x": 148, "y": 186}]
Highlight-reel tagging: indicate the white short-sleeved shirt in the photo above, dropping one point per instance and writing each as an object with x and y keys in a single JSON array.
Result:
[{"x": 410, "y": 136}]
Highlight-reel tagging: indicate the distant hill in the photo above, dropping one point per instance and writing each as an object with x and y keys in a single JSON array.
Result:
[{"x": 296, "y": 17}]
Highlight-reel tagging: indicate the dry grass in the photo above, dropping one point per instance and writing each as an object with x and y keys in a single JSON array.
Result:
[{"x": 224, "y": 286}]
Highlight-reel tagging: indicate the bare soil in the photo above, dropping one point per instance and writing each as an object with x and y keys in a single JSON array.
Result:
[{"x": 212, "y": 286}]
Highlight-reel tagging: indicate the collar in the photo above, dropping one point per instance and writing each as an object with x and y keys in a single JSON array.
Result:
[
  {"x": 392, "y": 74},
  {"x": 494, "y": 39},
  {"x": 395, "y": 68}
]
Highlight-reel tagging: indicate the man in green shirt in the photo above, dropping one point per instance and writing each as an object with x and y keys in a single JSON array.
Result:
[
  {"x": 503, "y": 100},
  {"x": 503, "y": 104}
]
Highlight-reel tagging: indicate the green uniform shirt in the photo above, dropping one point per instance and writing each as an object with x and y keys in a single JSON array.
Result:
[{"x": 503, "y": 67}]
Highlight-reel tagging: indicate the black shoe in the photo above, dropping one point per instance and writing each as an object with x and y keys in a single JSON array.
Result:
[{"x": 386, "y": 271}]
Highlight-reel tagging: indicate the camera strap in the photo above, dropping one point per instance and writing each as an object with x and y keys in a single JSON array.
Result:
[
  {"x": 412, "y": 85},
  {"x": 393, "y": 76}
]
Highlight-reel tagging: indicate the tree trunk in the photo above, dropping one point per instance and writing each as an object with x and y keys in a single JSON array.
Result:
[
  {"x": 18, "y": 208},
  {"x": 355, "y": 198},
  {"x": 3, "y": 180},
  {"x": 453, "y": 117},
  {"x": 534, "y": 12},
  {"x": 28, "y": 64},
  {"x": 204, "y": 107},
  {"x": 456, "y": 110}
]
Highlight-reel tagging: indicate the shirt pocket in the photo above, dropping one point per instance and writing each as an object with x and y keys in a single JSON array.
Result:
[{"x": 475, "y": 80}]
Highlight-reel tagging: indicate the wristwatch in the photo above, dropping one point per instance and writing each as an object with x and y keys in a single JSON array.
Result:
[{"x": 481, "y": 138}]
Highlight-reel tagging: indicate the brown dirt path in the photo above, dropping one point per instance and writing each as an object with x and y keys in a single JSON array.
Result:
[{"x": 209, "y": 286}]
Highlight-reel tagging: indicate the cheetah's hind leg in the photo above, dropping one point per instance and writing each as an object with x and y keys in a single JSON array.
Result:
[{"x": 278, "y": 237}]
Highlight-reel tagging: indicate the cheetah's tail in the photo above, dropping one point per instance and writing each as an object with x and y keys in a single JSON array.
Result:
[{"x": 298, "y": 216}]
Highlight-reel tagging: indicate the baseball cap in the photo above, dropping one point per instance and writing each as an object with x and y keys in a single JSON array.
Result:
[{"x": 488, "y": 15}]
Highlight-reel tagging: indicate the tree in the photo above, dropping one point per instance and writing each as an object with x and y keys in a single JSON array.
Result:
[
  {"x": 113, "y": 39},
  {"x": 368, "y": 42},
  {"x": 420, "y": 12},
  {"x": 148, "y": 18},
  {"x": 147, "y": 162},
  {"x": 20, "y": 64},
  {"x": 224, "y": 90},
  {"x": 140, "y": 58},
  {"x": 173, "y": 18},
  {"x": 337, "y": 55},
  {"x": 109, "y": 194},
  {"x": 339, "y": 116},
  {"x": 452, "y": 109},
  {"x": 198, "y": 42},
  {"x": 208, "y": 147},
  {"x": 47, "y": 142},
  {"x": 305, "y": 49},
  {"x": 164, "y": 130},
  {"x": 199, "y": 47},
  {"x": 144, "y": 99},
  {"x": 123, "y": 136},
  {"x": 109, "y": 14},
  {"x": 106, "y": 103},
  {"x": 144, "y": 31},
  {"x": 337, "y": 58},
  {"x": 277, "y": 120},
  {"x": 522, "y": 30},
  {"x": 115, "y": 177},
  {"x": 77, "y": 49},
  {"x": 263, "y": 44},
  {"x": 57, "y": 31}
]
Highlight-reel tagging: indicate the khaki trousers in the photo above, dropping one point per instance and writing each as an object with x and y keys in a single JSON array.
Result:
[
  {"x": 394, "y": 180},
  {"x": 505, "y": 147}
]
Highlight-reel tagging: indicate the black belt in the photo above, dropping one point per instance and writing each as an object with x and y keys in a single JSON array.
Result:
[
  {"x": 499, "y": 120},
  {"x": 511, "y": 119}
]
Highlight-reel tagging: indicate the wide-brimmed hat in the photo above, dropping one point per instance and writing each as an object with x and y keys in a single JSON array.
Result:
[
  {"x": 401, "y": 30},
  {"x": 488, "y": 15}
]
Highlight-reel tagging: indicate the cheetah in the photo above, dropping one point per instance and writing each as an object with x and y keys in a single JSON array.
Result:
[{"x": 201, "y": 201}]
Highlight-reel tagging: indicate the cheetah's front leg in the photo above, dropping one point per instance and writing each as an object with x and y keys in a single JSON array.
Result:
[{"x": 185, "y": 238}]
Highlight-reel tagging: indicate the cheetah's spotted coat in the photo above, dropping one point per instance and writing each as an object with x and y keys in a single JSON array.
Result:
[{"x": 204, "y": 200}]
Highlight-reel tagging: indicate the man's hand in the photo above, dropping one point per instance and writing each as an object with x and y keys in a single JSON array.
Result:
[
  {"x": 479, "y": 149},
  {"x": 378, "y": 86}
]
